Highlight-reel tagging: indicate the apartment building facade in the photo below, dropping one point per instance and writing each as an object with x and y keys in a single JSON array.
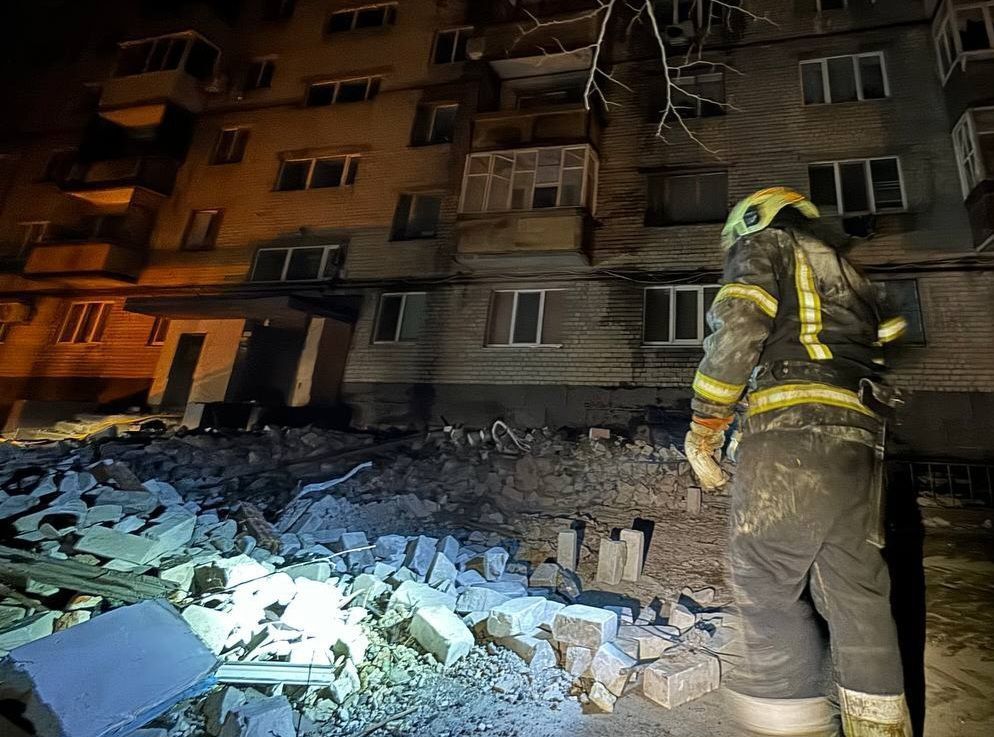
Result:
[{"x": 407, "y": 209}]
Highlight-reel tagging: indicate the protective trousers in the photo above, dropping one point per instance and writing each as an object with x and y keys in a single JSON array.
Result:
[{"x": 802, "y": 510}]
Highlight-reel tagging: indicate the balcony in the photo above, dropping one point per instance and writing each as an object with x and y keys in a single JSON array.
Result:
[
  {"x": 151, "y": 72},
  {"x": 110, "y": 248},
  {"x": 980, "y": 211},
  {"x": 112, "y": 183},
  {"x": 547, "y": 125},
  {"x": 552, "y": 238}
]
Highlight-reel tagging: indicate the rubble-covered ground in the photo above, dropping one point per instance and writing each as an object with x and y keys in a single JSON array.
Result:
[{"x": 419, "y": 581}]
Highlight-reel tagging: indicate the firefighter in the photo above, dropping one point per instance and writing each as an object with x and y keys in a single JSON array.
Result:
[{"x": 798, "y": 324}]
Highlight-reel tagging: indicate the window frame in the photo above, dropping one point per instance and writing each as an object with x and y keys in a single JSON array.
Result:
[
  {"x": 666, "y": 176},
  {"x": 160, "y": 328},
  {"x": 588, "y": 185},
  {"x": 539, "y": 325},
  {"x": 943, "y": 29},
  {"x": 284, "y": 10},
  {"x": 966, "y": 131},
  {"x": 868, "y": 180},
  {"x": 4, "y": 331},
  {"x": 96, "y": 330},
  {"x": 918, "y": 306},
  {"x": 691, "y": 83},
  {"x": 59, "y": 163},
  {"x": 329, "y": 248},
  {"x": 826, "y": 86},
  {"x": 351, "y": 161},
  {"x": 372, "y": 89},
  {"x": 399, "y": 329},
  {"x": 397, "y": 236},
  {"x": 429, "y": 140},
  {"x": 212, "y": 231},
  {"x": 189, "y": 38},
  {"x": 819, "y": 9},
  {"x": 239, "y": 131},
  {"x": 390, "y": 19},
  {"x": 459, "y": 31},
  {"x": 671, "y": 327},
  {"x": 264, "y": 62},
  {"x": 25, "y": 242}
]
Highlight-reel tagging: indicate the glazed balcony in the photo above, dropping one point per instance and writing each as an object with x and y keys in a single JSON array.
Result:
[
  {"x": 114, "y": 182},
  {"x": 111, "y": 248}
]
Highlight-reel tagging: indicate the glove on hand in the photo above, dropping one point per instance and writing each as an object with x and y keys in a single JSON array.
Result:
[{"x": 706, "y": 436}]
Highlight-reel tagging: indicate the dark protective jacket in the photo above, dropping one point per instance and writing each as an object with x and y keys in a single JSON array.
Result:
[{"x": 803, "y": 324}]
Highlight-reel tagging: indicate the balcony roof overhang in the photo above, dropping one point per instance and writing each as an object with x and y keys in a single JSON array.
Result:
[
  {"x": 138, "y": 116},
  {"x": 540, "y": 65},
  {"x": 248, "y": 306}
]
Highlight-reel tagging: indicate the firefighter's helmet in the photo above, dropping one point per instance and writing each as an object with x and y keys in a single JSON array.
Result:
[{"x": 757, "y": 211}]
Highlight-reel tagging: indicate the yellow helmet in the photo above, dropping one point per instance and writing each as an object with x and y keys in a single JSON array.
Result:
[{"x": 757, "y": 211}]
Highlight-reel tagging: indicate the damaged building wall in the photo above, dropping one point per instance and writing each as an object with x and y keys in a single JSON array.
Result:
[{"x": 215, "y": 363}]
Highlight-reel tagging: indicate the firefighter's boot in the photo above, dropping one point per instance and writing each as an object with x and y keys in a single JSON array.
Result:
[{"x": 873, "y": 715}]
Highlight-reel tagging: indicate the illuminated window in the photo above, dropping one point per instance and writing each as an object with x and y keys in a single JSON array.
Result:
[
  {"x": 201, "y": 231},
  {"x": 317, "y": 173},
  {"x": 416, "y": 216},
  {"x": 340, "y": 92},
  {"x": 157, "y": 336},
  {"x": 85, "y": 322},
  {"x": 450, "y": 46},
  {"x": 230, "y": 146},
  {"x": 299, "y": 263},
  {"x": 687, "y": 198},
  {"x": 371, "y": 16},
  {"x": 844, "y": 79},
  {"x": 260, "y": 74},
  {"x": 400, "y": 318},
  {"x": 526, "y": 317},
  {"x": 857, "y": 187},
  {"x": 676, "y": 315}
]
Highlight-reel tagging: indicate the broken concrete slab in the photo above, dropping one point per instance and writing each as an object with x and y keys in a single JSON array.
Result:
[
  {"x": 148, "y": 650},
  {"x": 420, "y": 553},
  {"x": 567, "y": 545},
  {"x": 132, "y": 502},
  {"x": 172, "y": 529},
  {"x": 415, "y": 595},
  {"x": 354, "y": 541},
  {"x": 537, "y": 652},
  {"x": 390, "y": 546},
  {"x": 212, "y": 626},
  {"x": 441, "y": 633},
  {"x": 577, "y": 660},
  {"x": 441, "y": 570},
  {"x": 681, "y": 618},
  {"x": 634, "y": 541},
  {"x": 602, "y": 698},
  {"x": 102, "y": 513},
  {"x": 16, "y": 505},
  {"x": 312, "y": 609},
  {"x": 545, "y": 576},
  {"x": 479, "y": 599},
  {"x": 586, "y": 626},
  {"x": 490, "y": 563},
  {"x": 517, "y": 616},
  {"x": 27, "y": 630},
  {"x": 680, "y": 676},
  {"x": 651, "y": 640},
  {"x": 612, "y": 667},
  {"x": 611, "y": 558},
  {"x": 216, "y": 707},
  {"x": 268, "y": 717},
  {"x": 109, "y": 543}
]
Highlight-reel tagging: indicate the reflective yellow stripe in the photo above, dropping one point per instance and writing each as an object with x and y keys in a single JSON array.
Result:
[
  {"x": 809, "y": 308},
  {"x": 717, "y": 391},
  {"x": 790, "y": 395},
  {"x": 757, "y": 295},
  {"x": 891, "y": 329}
]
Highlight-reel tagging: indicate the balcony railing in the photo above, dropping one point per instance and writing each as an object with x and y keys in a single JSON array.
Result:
[{"x": 157, "y": 174}]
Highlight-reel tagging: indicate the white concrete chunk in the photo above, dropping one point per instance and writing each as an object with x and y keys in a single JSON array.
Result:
[
  {"x": 612, "y": 667},
  {"x": 268, "y": 717},
  {"x": 681, "y": 676},
  {"x": 479, "y": 599},
  {"x": 577, "y": 660},
  {"x": 681, "y": 618},
  {"x": 210, "y": 625},
  {"x": 535, "y": 651},
  {"x": 441, "y": 570},
  {"x": 566, "y": 549},
  {"x": 415, "y": 595},
  {"x": 516, "y": 616},
  {"x": 313, "y": 608},
  {"x": 602, "y": 698},
  {"x": 586, "y": 626},
  {"x": 611, "y": 561},
  {"x": 634, "y": 541},
  {"x": 441, "y": 633},
  {"x": 420, "y": 553},
  {"x": 109, "y": 543},
  {"x": 490, "y": 563}
]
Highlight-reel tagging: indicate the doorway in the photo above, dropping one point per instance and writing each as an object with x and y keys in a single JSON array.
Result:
[{"x": 185, "y": 360}]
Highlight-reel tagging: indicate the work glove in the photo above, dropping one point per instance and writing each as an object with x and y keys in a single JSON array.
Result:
[{"x": 705, "y": 439}]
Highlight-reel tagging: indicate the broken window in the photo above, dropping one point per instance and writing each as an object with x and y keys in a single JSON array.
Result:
[
  {"x": 687, "y": 198},
  {"x": 401, "y": 317},
  {"x": 165, "y": 53},
  {"x": 230, "y": 146},
  {"x": 961, "y": 32},
  {"x": 416, "y": 216},
  {"x": 529, "y": 179},
  {"x": 372, "y": 16},
  {"x": 299, "y": 263},
  {"x": 676, "y": 315},
  {"x": 526, "y": 317},
  {"x": 317, "y": 173},
  {"x": 434, "y": 124},
  {"x": 160, "y": 326},
  {"x": 84, "y": 322},
  {"x": 321, "y": 94},
  {"x": 844, "y": 79},
  {"x": 900, "y": 297},
  {"x": 857, "y": 187},
  {"x": 260, "y": 74},
  {"x": 973, "y": 141},
  {"x": 201, "y": 232},
  {"x": 450, "y": 46}
]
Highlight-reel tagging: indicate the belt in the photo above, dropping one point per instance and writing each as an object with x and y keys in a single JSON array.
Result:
[
  {"x": 781, "y": 396},
  {"x": 779, "y": 372}
]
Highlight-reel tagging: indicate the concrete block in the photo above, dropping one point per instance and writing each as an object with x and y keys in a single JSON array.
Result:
[
  {"x": 508, "y": 588},
  {"x": 470, "y": 578},
  {"x": 420, "y": 553},
  {"x": 693, "y": 500},
  {"x": 319, "y": 570},
  {"x": 477, "y": 623},
  {"x": 107, "y": 676},
  {"x": 634, "y": 541},
  {"x": 490, "y": 563},
  {"x": 26, "y": 630},
  {"x": 216, "y": 706},
  {"x": 268, "y": 717},
  {"x": 390, "y": 546},
  {"x": 369, "y": 589},
  {"x": 101, "y": 513},
  {"x": 479, "y": 599},
  {"x": 132, "y": 502},
  {"x": 441, "y": 633},
  {"x": 650, "y": 640},
  {"x": 441, "y": 570},
  {"x": 602, "y": 698},
  {"x": 449, "y": 547},
  {"x": 681, "y": 676},
  {"x": 586, "y": 626},
  {"x": 535, "y": 651},
  {"x": 516, "y": 616},
  {"x": 567, "y": 545},
  {"x": 552, "y": 608},
  {"x": 577, "y": 660},
  {"x": 611, "y": 561},
  {"x": 681, "y": 618},
  {"x": 108, "y": 543},
  {"x": 351, "y": 541},
  {"x": 545, "y": 576},
  {"x": 612, "y": 667},
  {"x": 312, "y": 609},
  {"x": 172, "y": 530},
  {"x": 415, "y": 595},
  {"x": 210, "y": 625}
]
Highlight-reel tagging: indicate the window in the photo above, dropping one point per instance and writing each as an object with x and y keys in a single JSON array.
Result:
[
  {"x": 529, "y": 179},
  {"x": 201, "y": 231},
  {"x": 973, "y": 140},
  {"x": 673, "y": 12},
  {"x": 372, "y": 16},
  {"x": 260, "y": 74},
  {"x": 401, "y": 317},
  {"x": 963, "y": 31},
  {"x": 317, "y": 173},
  {"x": 31, "y": 233},
  {"x": 4, "y": 331},
  {"x": 701, "y": 96},
  {"x": 59, "y": 165},
  {"x": 526, "y": 317},
  {"x": 277, "y": 9},
  {"x": 416, "y": 216},
  {"x": 844, "y": 79},
  {"x": 300, "y": 263},
  {"x": 857, "y": 187},
  {"x": 85, "y": 322},
  {"x": 434, "y": 124},
  {"x": 687, "y": 198},
  {"x": 320, "y": 94},
  {"x": 450, "y": 46},
  {"x": 183, "y": 51},
  {"x": 160, "y": 327},
  {"x": 900, "y": 297},
  {"x": 230, "y": 146},
  {"x": 676, "y": 315},
  {"x": 823, "y": 5}
]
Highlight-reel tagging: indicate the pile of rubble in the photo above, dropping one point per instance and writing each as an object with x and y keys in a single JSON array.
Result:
[{"x": 315, "y": 622}]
